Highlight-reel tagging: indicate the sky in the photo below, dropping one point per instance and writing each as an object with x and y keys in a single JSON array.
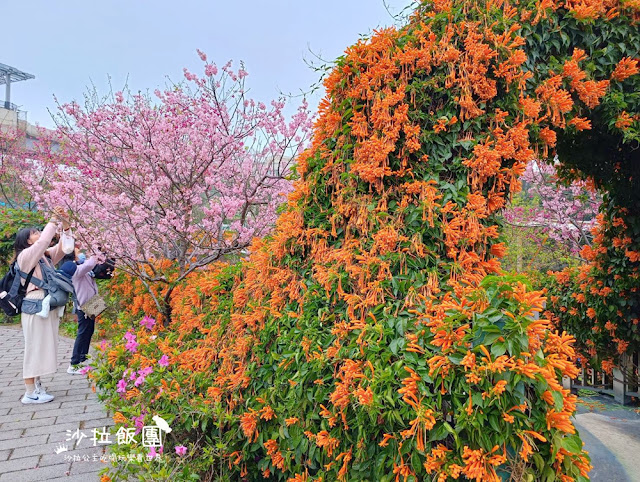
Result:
[{"x": 70, "y": 45}]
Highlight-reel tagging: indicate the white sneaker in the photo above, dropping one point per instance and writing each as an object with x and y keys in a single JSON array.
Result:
[
  {"x": 74, "y": 371},
  {"x": 37, "y": 398},
  {"x": 41, "y": 391}
]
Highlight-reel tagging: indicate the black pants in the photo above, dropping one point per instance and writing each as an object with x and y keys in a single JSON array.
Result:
[{"x": 86, "y": 325}]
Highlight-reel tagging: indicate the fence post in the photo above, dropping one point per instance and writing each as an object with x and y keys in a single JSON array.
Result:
[{"x": 620, "y": 386}]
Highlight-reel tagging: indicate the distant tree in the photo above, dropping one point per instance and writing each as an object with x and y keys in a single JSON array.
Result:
[
  {"x": 548, "y": 223},
  {"x": 15, "y": 166}
]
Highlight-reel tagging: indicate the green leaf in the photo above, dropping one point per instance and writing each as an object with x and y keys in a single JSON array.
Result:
[
  {"x": 558, "y": 399},
  {"x": 572, "y": 444},
  {"x": 493, "y": 421},
  {"x": 439, "y": 432},
  {"x": 498, "y": 349},
  {"x": 396, "y": 345}
]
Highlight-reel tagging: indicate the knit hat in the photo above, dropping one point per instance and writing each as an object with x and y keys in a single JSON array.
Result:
[{"x": 68, "y": 268}]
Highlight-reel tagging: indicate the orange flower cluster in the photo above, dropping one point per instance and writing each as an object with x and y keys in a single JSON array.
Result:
[
  {"x": 383, "y": 259},
  {"x": 594, "y": 305}
]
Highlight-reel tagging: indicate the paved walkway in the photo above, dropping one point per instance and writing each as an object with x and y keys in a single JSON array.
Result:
[
  {"x": 611, "y": 435},
  {"x": 30, "y": 434}
]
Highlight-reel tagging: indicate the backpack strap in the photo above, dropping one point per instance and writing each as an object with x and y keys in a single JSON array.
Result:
[
  {"x": 30, "y": 278},
  {"x": 17, "y": 287}
]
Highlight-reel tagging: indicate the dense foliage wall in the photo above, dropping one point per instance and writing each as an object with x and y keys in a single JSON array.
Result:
[
  {"x": 599, "y": 302},
  {"x": 371, "y": 336}
]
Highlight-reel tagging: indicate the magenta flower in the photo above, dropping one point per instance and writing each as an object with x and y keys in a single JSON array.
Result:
[
  {"x": 148, "y": 322},
  {"x": 181, "y": 450},
  {"x": 139, "y": 423},
  {"x": 164, "y": 361},
  {"x": 122, "y": 386},
  {"x": 142, "y": 374},
  {"x": 132, "y": 344}
]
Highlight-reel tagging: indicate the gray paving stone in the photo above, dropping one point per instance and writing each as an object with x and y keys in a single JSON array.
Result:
[
  {"x": 10, "y": 434},
  {"x": 23, "y": 442},
  {"x": 78, "y": 391},
  {"x": 79, "y": 380},
  {"x": 29, "y": 408},
  {"x": 17, "y": 464},
  {"x": 4, "y": 455},
  {"x": 28, "y": 423},
  {"x": 57, "y": 386},
  {"x": 11, "y": 399},
  {"x": 76, "y": 478},
  {"x": 48, "y": 378},
  {"x": 12, "y": 383},
  {"x": 40, "y": 449},
  {"x": 100, "y": 422},
  {"x": 15, "y": 371},
  {"x": 68, "y": 438},
  {"x": 37, "y": 474},
  {"x": 28, "y": 431},
  {"x": 53, "y": 458},
  {"x": 58, "y": 412},
  {"x": 86, "y": 417},
  {"x": 96, "y": 408},
  {"x": 17, "y": 417},
  {"x": 78, "y": 404},
  {"x": 15, "y": 382},
  {"x": 75, "y": 397},
  {"x": 50, "y": 429},
  {"x": 84, "y": 467}
]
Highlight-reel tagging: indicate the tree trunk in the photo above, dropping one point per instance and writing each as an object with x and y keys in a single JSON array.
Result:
[{"x": 167, "y": 307}]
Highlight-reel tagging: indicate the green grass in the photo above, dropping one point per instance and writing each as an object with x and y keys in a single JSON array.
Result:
[{"x": 68, "y": 326}]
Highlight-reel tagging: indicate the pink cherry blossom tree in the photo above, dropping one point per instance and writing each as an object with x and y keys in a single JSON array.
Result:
[
  {"x": 190, "y": 174},
  {"x": 566, "y": 213}
]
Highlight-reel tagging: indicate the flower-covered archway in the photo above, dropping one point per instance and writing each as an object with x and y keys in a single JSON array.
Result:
[{"x": 373, "y": 335}]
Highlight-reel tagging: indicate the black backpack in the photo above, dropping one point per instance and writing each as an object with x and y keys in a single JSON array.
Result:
[{"x": 12, "y": 292}]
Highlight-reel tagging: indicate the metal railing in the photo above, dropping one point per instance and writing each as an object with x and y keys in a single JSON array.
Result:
[
  {"x": 623, "y": 383},
  {"x": 9, "y": 105}
]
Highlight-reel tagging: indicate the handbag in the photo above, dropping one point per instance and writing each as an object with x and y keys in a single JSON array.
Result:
[{"x": 94, "y": 306}]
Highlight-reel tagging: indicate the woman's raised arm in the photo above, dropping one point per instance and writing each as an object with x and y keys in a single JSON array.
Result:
[{"x": 30, "y": 256}]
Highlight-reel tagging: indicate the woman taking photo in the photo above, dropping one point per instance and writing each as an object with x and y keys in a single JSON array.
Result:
[
  {"x": 85, "y": 287},
  {"x": 40, "y": 332}
]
